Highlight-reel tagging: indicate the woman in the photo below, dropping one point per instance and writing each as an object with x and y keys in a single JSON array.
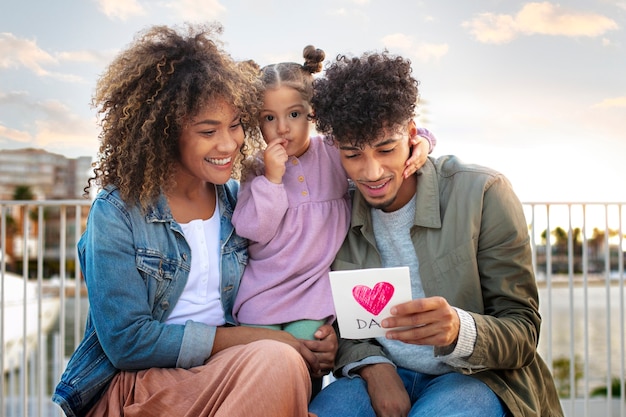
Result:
[{"x": 160, "y": 258}]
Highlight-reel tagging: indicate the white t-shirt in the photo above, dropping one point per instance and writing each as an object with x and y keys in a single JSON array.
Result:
[{"x": 200, "y": 300}]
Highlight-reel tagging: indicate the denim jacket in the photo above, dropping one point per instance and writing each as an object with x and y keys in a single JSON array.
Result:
[{"x": 136, "y": 265}]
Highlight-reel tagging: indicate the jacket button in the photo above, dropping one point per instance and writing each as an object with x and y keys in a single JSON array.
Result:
[
  {"x": 165, "y": 305},
  {"x": 184, "y": 256}
]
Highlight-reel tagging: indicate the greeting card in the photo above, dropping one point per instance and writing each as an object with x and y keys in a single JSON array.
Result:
[{"x": 364, "y": 297}]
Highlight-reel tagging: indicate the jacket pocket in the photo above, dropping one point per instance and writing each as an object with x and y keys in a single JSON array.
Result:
[{"x": 156, "y": 270}]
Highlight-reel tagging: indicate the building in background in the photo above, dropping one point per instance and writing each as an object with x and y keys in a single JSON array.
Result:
[
  {"x": 38, "y": 175},
  {"x": 50, "y": 176}
]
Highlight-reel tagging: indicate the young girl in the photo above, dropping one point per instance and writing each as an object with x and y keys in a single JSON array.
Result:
[
  {"x": 160, "y": 257},
  {"x": 294, "y": 207}
]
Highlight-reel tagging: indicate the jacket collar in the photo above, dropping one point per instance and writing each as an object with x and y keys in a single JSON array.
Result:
[{"x": 159, "y": 211}]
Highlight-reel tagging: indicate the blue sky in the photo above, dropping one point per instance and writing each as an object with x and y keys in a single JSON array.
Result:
[{"x": 534, "y": 89}]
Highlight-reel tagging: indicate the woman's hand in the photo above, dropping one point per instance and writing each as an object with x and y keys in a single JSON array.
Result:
[
  {"x": 319, "y": 354},
  {"x": 226, "y": 337},
  {"x": 325, "y": 348}
]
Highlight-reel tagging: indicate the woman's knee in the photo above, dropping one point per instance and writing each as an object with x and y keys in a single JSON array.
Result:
[
  {"x": 273, "y": 351},
  {"x": 279, "y": 359}
]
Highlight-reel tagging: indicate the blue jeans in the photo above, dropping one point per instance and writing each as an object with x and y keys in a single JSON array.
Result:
[{"x": 447, "y": 395}]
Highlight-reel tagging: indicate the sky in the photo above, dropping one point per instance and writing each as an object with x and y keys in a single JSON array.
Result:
[{"x": 535, "y": 90}]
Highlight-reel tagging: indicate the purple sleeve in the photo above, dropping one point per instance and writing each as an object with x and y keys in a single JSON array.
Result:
[
  {"x": 426, "y": 134},
  {"x": 261, "y": 205}
]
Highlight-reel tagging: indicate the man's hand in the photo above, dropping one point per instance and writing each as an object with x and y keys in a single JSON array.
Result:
[
  {"x": 275, "y": 156},
  {"x": 387, "y": 393},
  {"x": 428, "y": 321},
  {"x": 325, "y": 348}
]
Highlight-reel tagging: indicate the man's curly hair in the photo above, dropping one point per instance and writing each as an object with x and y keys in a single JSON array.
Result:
[
  {"x": 150, "y": 90},
  {"x": 360, "y": 97}
]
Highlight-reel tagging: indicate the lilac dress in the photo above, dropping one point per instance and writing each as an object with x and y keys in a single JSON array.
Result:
[{"x": 295, "y": 230}]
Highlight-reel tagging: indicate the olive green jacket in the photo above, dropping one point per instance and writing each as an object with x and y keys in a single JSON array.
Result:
[{"x": 472, "y": 243}]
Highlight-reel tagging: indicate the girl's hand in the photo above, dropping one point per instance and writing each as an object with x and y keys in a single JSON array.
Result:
[
  {"x": 275, "y": 156},
  {"x": 419, "y": 152}
]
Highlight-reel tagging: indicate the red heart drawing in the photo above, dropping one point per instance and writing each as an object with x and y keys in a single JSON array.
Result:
[{"x": 374, "y": 299}]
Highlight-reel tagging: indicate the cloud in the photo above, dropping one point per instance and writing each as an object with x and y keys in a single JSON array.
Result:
[
  {"x": 53, "y": 126},
  {"x": 398, "y": 40},
  {"x": 619, "y": 102},
  {"x": 421, "y": 51},
  {"x": 427, "y": 52},
  {"x": 121, "y": 9},
  {"x": 16, "y": 53},
  {"x": 74, "y": 133},
  {"x": 196, "y": 10},
  {"x": 87, "y": 56},
  {"x": 186, "y": 10},
  {"x": 15, "y": 135},
  {"x": 14, "y": 97},
  {"x": 538, "y": 18},
  {"x": 79, "y": 140},
  {"x": 491, "y": 28}
]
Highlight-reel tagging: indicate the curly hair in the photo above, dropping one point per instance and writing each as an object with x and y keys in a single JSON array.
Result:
[
  {"x": 290, "y": 74},
  {"x": 360, "y": 97},
  {"x": 147, "y": 94}
]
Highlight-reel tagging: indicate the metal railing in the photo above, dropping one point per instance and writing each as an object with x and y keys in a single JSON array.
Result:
[
  {"x": 578, "y": 254},
  {"x": 579, "y": 265},
  {"x": 38, "y": 242}
]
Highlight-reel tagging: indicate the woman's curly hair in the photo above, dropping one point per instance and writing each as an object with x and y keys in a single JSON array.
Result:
[
  {"x": 360, "y": 97},
  {"x": 147, "y": 94}
]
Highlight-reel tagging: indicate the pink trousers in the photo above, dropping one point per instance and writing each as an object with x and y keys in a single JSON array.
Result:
[{"x": 263, "y": 378}]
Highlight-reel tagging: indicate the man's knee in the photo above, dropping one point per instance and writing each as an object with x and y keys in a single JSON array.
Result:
[
  {"x": 344, "y": 397},
  {"x": 450, "y": 393}
]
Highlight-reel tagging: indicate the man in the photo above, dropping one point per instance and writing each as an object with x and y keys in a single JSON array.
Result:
[{"x": 470, "y": 333}]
